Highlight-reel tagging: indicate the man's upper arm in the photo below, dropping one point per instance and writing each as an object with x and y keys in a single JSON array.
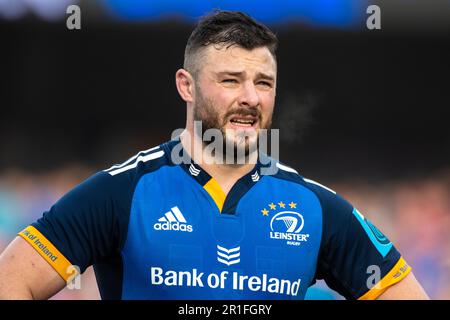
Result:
[
  {"x": 83, "y": 227},
  {"x": 407, "y": 289},
  {"x": 24, "y": 274},
  {"x": 355, "y": 258}
]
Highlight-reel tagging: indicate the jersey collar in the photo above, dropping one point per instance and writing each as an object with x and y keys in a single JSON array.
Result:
[{"x": 226, "y": 204}]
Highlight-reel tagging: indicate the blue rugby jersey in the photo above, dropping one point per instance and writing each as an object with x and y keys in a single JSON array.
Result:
[{"x": 154, "y": 229}]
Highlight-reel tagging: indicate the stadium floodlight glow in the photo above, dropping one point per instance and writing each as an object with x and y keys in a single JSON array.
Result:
[
  {"x": 49, "y": 10},
  {"x": 344, "y": 13},
  {"x": 12, "y": 9}
]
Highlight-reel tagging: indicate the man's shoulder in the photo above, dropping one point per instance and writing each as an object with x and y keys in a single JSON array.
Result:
[
  {"x": 326, "y": 195},
  {"x": 142, "y": 162},
  {"x": 122, "y": 178},
  {"x": 276, "y": 169}
]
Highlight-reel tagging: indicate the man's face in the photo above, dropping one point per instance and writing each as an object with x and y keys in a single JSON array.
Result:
[{"x": 235, "y": 93}]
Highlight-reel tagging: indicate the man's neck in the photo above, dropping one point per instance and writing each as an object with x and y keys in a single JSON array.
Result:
[{"x": 225, "y": 174}]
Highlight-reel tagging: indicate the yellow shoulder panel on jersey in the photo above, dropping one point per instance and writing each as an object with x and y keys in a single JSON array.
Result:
[
  {"x": 48, "y": 251},
  {"x": 397, "y": 273}
]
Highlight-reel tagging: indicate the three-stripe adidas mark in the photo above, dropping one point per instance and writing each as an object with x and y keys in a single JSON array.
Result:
[
  {"x": 142, "y": 156},
  {"x": 173, "y": 220},
  {"x": 228, "y": 256}
]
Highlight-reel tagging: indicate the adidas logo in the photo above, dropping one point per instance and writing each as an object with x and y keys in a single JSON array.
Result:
[{"x": 173, "y": 220}]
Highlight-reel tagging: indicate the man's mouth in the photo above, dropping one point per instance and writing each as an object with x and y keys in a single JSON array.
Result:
[{"x": 243, "y": 121}]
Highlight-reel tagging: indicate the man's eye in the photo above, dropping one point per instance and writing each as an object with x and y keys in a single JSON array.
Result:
[
  {"x": 265, "y": 83},
  {"x": 230, "y": 80}
]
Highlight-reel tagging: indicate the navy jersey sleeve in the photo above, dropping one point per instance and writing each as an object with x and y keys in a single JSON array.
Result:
[
  {"x": 86, "y": 225},
  {"x": 355, "y": 258}
]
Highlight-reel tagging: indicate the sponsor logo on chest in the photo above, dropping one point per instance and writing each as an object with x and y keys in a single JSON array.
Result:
[{"x": 173, "y": 220}]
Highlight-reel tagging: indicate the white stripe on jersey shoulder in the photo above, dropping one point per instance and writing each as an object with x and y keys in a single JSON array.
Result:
[
  {"x": 132, "y": 158},
  {"x": 133, "y": 161},
  {"x": 286, "y": 168},
  {"x": 318, "y": 184}
]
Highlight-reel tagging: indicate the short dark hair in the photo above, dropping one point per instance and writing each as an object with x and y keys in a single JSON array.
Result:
[{"x": 227, "y": 28}]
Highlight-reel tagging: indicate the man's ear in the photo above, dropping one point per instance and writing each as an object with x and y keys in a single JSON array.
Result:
[{"x": 185, "y": 85}]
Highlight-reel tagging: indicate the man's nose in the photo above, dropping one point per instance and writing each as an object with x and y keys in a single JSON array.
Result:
[{"x": 249, "y": 96}]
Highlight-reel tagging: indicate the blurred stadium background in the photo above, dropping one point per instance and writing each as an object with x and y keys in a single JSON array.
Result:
[{"x": 364, "y": 112}]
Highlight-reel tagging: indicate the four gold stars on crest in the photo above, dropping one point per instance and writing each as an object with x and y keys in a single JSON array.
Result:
[{"x": 281, "y": 204}]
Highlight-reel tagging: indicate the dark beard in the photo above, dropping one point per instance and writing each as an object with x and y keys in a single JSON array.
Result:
[{"x": 205, "y": 112}]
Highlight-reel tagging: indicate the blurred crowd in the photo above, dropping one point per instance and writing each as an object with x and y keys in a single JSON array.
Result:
[{"x": 414, "y": 213}]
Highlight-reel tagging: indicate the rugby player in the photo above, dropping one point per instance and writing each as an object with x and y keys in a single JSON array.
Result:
[{"x": 155, "y": 227}]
